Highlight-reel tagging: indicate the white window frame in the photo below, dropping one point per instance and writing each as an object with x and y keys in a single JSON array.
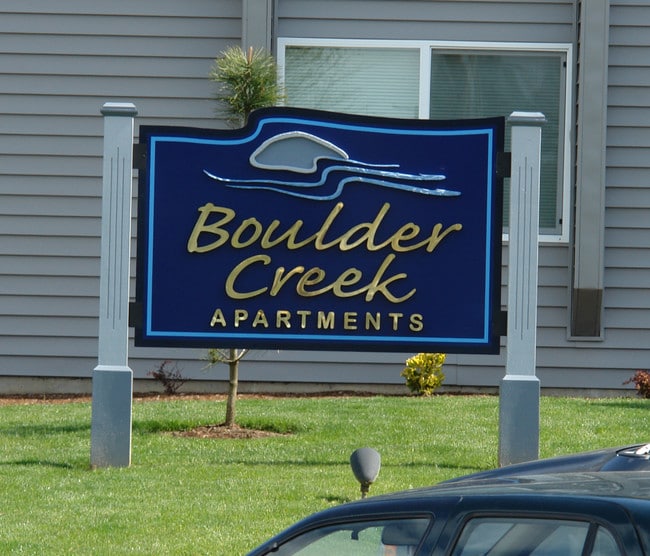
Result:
[{"x": 425, "y": 49}]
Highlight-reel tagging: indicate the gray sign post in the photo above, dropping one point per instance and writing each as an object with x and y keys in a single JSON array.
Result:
[
  {"x": 112, "y": 386},
  {"x": 520, "y": 388}
]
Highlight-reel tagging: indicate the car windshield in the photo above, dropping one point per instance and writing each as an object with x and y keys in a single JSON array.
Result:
[{"x": 387, "y": 537}]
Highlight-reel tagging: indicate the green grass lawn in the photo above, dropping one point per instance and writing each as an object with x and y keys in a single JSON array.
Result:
[{"x": 206, "y": 496}]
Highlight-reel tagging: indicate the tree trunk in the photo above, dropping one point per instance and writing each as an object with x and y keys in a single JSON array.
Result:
[{"x": 233, "y": 365}]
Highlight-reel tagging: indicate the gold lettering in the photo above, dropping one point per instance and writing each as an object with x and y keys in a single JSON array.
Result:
[
  {"x": 366, "y": 237},
  {"x": 282, "y": 317},
  {"x": 289, "y": 236},
  {"x": 312, "y": 277},
  {"x": 303, "y": 317},
  {"x": 350, "y": 320},
  {"x": 235, "y": 272},
  {"x": 260, "y": 320},
  {"x": 200, "y": 227},
  {"x": 347, "y": 278},
  {"x": 406, "y": 232},
  {"x": 325, "y": 320},
  {"x": 396, "y": 317},
  {"x": 437, "y": 237},
  {"x": 376, "y": 286},
  {"x": 373, "y": 321},
  {"x": 240, "y": 316},
  {"x": 218, "y": 318},
  {"x": 250, "y": 231},
  {"x": 239, "y": 232},
  {"x": 279, "y": 280},
  {"x": 320, "y": 234},
  {"x": 416, "y": 323}
]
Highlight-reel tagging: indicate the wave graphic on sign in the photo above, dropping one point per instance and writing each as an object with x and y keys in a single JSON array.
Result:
[{"x": 299, "y": 152}]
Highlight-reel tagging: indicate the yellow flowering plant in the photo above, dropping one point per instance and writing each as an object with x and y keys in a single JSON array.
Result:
[{"x": 423, "y": 372}]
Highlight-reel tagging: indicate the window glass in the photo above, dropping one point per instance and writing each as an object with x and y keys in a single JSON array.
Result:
[
  {"x": 411, "y": 79},
  {"x": 396, "y": 537},
  {"x": 532, "y": 537},
  {"x": 605, "y": 544},
  {"x": 484, "y": 84},
  {"x": 368, "y": 81}
]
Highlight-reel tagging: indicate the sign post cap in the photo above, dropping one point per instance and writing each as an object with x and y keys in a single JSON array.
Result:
[
  {"x": 119, "y": 109},
  {"x": 527, "y": 118}
]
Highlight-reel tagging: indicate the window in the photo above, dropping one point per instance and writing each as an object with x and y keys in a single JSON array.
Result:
[
  {"x": 347, "y": 80},
  {"x": 408, "y": 79},
  {"x": 534, "y": 537},
  {"x": 390, "y": 537}
]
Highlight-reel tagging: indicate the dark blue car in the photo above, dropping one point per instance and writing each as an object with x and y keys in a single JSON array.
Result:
[
  {"x": 561, "y": 506},
  {"x": 625, "y": 458}
]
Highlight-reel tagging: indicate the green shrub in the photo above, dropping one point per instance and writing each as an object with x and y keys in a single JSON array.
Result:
[
  {"x": 246, "y": 81},
  {"x": 423, "y": 372}
]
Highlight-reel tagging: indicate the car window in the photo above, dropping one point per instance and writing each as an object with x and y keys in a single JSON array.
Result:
[
  {"x": 605, "y": 543},
  {"x": 390, "y": 537},
  {"x": 533, "y": 537}
]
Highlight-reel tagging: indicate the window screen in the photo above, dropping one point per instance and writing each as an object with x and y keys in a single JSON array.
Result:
[
  {"x": 387, "y": 80},
  {"x": 368, "y": 81},
  {"x": 478, "y": 85}
]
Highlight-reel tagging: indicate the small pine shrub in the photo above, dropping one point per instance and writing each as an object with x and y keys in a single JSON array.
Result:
[
  {"x": 641, "y": 380},
  {"x": 423, "y": 373},
  {"x": 247, "y": 80}
]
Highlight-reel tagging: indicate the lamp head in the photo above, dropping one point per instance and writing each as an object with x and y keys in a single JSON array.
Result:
[{"x": 365, "y": 463}]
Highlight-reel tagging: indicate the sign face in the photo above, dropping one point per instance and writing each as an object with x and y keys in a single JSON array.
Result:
[{"x": 314, "y": 230}]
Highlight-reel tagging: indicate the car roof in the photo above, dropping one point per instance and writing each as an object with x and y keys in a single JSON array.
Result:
[
  {"x": 618, "y": 486},
  {"x": 628, "y": 489},
  {"x": 615, "y": 486},
  {"x": 622, "y": 458},
  {"x": 602, "y": 484}
]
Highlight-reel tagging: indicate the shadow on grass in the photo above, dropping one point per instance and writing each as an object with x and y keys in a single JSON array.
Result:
[
  {"x": 40, "y": 463},
  {"x": 44, "y": 430},
  {"x": 336, "y": 499},
  {"x": 154, "y": 427},
  {"x": 459, "y": 470},
  {"x": 625, "y": 403}
]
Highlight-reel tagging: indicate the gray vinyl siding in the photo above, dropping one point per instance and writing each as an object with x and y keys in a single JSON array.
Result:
[
  {"x": 543, "y": 21},
  {"x": 60, "y": 61},
  {"x": 457, "y": 21},
  {"x": 627, "y": 217},
  {"x": 561, "y": 362}
]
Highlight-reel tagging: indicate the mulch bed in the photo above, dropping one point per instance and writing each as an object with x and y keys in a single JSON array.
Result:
[{"x": 222, "y": 431}]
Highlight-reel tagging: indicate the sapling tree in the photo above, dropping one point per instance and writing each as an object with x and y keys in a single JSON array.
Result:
[
  {"x": 246, "y": 81},
  {"x": 231, "y": 357}
]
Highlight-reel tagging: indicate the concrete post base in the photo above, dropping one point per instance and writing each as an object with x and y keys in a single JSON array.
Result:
[
  {"x": 518, "y": 419},
  {"x": 111, "y": 416}
]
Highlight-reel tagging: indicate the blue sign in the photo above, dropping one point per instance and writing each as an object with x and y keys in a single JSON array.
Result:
[{"x": 315, "y": 230}]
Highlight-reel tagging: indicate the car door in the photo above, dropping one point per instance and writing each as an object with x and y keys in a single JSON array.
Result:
[{"x": 590, "y": 528}]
